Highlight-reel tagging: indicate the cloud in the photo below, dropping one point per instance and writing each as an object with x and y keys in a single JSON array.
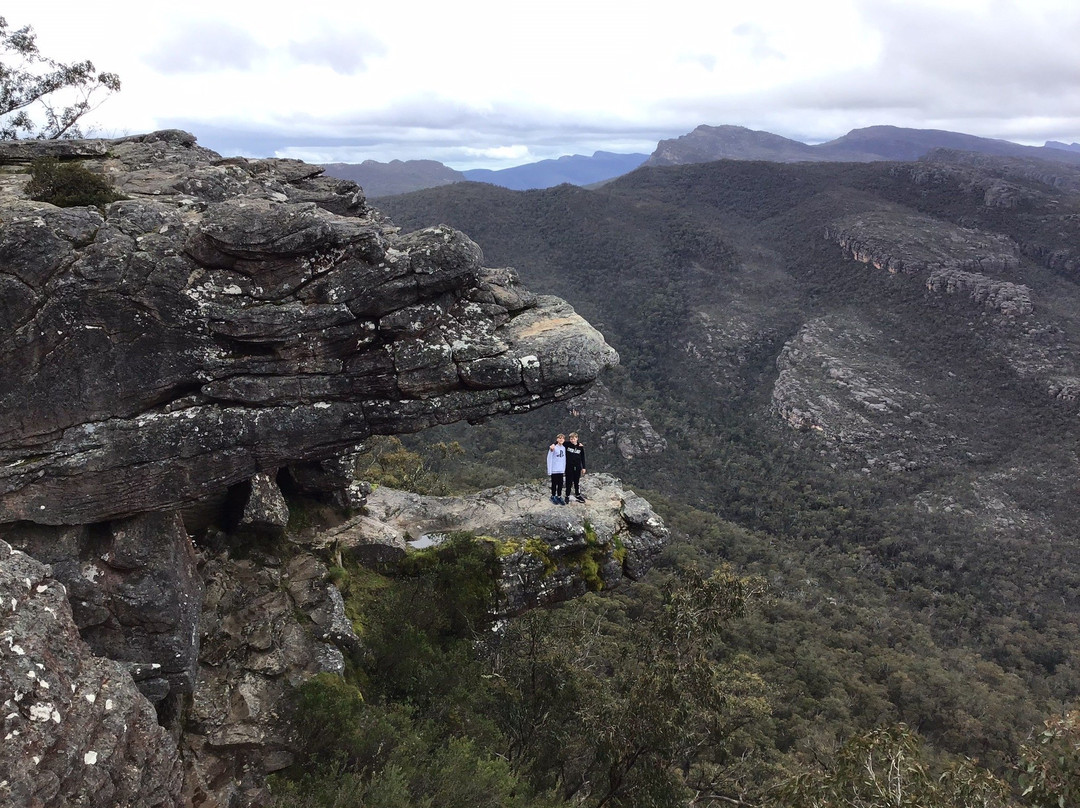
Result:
[
  {"x": 346, "y": 53},
  {"x": 757, "y": 42},
  {"x": 206, "y": 48}
]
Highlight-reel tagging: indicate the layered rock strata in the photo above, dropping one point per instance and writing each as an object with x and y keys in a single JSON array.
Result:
[
  {"x": 233, "y": 316},
  {"x": 955, "y": 260},
  {"x": 166, "y": 359},
  {"x": 135, "y": 592}
]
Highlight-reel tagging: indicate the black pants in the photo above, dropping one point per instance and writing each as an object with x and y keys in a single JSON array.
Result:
[
  {"x": 573, "y": 478},
  {"x": 556, "y": 485}
]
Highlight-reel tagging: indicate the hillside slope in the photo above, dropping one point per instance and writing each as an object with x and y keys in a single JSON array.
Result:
[{"x": 868, "y": 374}]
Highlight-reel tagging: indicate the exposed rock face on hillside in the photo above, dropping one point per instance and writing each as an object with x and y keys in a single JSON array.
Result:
[
  {"x": 233, "y": 316},
  {"x": 837, "y": 380},
  {"x": 135, "y": 592},
  {"x": 267, "y": 625},
  {"x": 616, "y": 424},
  {"x": 549, "y": 553},
  {"x": 955, "y": 260}
]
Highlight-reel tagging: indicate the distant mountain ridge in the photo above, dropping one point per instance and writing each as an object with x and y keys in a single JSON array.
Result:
[
  {"x": 703, "y": 145},
  {"x": 400, "y": 177},
  {"x": 575, "y": 169},
  {"x": 396, "y": 177},
  {"x": 708, "y": 143}
]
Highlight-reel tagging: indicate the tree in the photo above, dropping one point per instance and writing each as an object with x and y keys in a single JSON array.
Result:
[
  {"x": 1049, "y": 766},
  {"x": 41, "y": 97},
  {"x": 630, "y": 712},
  {"x": 887, "y": 768}
]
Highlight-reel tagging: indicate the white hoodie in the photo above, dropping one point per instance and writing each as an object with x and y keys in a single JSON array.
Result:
[{"x": 556, "y": 459}]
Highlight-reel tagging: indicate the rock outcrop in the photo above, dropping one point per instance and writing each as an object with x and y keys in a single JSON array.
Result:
[
  {"x": 76, "y": 731},
  {"x": 548, "y": 553},
  {"x": 615, "y": 424},
  {"x": 837, "y": 381},
  {"x": 956, "y": 260},
  {"x": 135, "y": 592},
  {"x": 234, "y": 316},
  {"x": 267, "y": 625},
  {"x": 168, "y": 359}
]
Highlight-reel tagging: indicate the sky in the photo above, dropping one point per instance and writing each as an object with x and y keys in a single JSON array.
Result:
[{"x": 479, "y": 84}]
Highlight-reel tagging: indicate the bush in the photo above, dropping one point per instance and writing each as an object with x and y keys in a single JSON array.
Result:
[{"x": 68, "y": 185}]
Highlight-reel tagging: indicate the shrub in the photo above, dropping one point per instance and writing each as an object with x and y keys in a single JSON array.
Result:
[{"x": 68, "y": 185}]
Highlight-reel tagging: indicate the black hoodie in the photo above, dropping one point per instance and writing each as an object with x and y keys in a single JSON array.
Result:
[{"x": 575, "y": 456}]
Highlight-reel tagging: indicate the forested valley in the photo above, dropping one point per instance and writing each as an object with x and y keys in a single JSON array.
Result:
[{"x": 864, "y": 441}]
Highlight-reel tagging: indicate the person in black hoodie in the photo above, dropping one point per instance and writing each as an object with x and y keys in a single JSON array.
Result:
[{"x": 575, "y": 467}]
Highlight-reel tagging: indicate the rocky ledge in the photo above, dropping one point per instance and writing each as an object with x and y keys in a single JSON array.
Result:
[
  {"x": 548, "y": 553},
  {"x": 232, "y": 316}
]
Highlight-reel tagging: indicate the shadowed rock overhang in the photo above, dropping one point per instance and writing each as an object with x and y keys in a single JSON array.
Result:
[{"x": 232, "y": 316}]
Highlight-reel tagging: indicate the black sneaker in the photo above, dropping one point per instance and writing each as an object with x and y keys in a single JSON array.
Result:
[
  {"x": 553, "y": 500},
  {"x": 579, "y": 498}
]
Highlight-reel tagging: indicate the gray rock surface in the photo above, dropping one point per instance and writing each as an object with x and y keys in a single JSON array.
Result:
[
  {"x": 135, "y": 592},
  {"x": 267, "y": 625},
  {"x": 899, "y": 241},
  {"x": 1008, "y": 298},
  {"x": 836, "y": 381},
  {"x": 75, "y": 730},
  {"x": 615, "y": 424},
  {"x": 265, "y": 511},
  {"x": 235, "y": 316},
  {"x": 547, "y": 551}
]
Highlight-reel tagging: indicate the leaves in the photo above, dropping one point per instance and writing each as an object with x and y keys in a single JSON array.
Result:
[
  {"x": 41, "y": 97},
  {"x": 1049, "y": 767}
]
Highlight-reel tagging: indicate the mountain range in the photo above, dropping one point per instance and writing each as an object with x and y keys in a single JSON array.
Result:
[{"x": 704, "y": 144}]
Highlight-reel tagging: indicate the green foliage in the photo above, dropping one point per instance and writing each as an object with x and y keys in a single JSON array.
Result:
[
  {"x": 41, "y": 97},
  {"x": 386, "y": 461},
  {"x": 421, "y": 628},
  {"x": 627, "y": 713},
  {"x": 1049, "y": 765},
  {"x": 68, "y": 185},
  {"x": 887, "y": 768}
]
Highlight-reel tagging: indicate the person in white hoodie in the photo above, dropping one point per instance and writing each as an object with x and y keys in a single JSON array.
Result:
[{"x": 556, "y": 466}]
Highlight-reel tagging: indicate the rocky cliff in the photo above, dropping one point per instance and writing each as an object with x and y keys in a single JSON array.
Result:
[{"x": 167, "y": 359}]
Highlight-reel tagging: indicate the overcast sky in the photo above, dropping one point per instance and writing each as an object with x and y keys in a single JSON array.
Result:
[{"x": 493, "y": 84}]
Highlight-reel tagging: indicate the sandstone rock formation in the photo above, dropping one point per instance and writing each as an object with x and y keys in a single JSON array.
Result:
[
  {"x": 548, "y": 553},
  {"x": 956, "y": 260},
  {"x": 167, "y": 359},
  {"x": 905, "y": 242},
  {"x": 836, "y": 380},
  {"x": 76, "y": 731},
  {"x": 267, "y": 625},
  {"x": 233, "y": 316},
  {"x": 135, "y": 592}
]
